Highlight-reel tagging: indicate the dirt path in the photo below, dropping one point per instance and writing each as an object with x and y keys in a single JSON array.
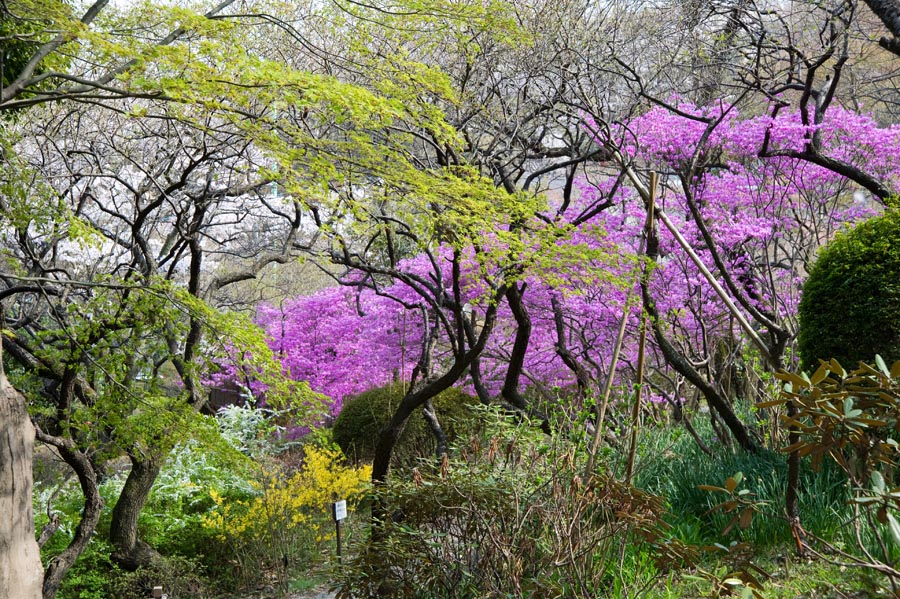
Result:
[{"x": 314, "y": 594}]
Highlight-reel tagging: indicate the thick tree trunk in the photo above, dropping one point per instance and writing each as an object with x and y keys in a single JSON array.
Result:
[
  {"x": 510, "y": 391},
  {"x": 131, "y": 552},
  {"x": 20, "y": 560},
  {"x": 387, "y": 438}
]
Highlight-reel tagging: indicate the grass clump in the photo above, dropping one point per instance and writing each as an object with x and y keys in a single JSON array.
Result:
[{"x": 677, "y": 471}]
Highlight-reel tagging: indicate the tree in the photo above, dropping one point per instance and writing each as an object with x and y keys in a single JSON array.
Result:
[
  {"x": 165, "y": 187},
  {"x": 153, "y": 198},
  {"x": 21, "y": 569},
  {"x": 801, "y": 56},
  {"x": 133, "y": 185},
  {"x": 45, "y": 59},
  {"x": 59, "y": 56},
  {"x": 440, "y": 200}
]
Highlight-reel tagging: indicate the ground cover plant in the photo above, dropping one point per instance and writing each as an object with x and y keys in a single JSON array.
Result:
[
  {"x": 680, "y": 469},
  {"x": 241, "y": 511}
]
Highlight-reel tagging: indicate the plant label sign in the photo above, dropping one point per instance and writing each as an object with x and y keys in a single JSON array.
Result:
[{"x": 339, "y": 510}]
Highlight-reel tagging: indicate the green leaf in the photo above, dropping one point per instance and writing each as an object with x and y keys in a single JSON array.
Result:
[
  {"x": 895, "y": 528},
  {"x": 877, "y": 482},
  {"x": 848, "y": 405},
  {"x": 879, "y": 361}
]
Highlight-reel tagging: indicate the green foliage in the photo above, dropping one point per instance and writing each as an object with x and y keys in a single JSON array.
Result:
[
  {"x": 250, "y": 429},
  {"x": 790, "y": 578},
  {"x": 28, "y": 202},
  {"x": 677, "y": 470},
  {"x": 852, "y": 418},
  {"x": 90, "y": 576},
  {"x": 24, "y": 26},
  {"x": 850, "y": 309},
  {"x": 171, "y": 520},
  {"x": 94, "y": 576},
  {"x": 118, "y": 339},
  {"x": 362, "y": 417},
  {"x": 180, "y": 577},
  {"x": 509, "y": 516}
]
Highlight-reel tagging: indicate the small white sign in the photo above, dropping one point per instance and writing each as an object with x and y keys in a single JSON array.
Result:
[{"x": 339, "y": 509}]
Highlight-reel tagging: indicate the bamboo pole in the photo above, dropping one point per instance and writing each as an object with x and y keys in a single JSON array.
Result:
[
  {"x": 614, "y": 362},
  {"x": 642, "y": 339}
]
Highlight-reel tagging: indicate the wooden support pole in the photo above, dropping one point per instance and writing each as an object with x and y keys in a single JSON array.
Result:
[{"x": 642, "y": 337}]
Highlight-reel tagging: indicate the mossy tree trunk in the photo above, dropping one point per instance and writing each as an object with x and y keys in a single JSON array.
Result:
[{"x": 130, "y": 551}]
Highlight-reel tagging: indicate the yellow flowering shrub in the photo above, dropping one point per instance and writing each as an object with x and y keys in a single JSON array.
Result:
[{"x": 290, "y": 515}]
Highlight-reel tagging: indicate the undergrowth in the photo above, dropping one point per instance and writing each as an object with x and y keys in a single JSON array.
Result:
[{"x": 674, "y": 467}]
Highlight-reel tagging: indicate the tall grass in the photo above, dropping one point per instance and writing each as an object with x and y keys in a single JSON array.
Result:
[{"x": 673, "y": 466}]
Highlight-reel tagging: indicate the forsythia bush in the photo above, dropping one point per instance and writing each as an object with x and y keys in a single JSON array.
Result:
[{"x": 290, "y": 516}]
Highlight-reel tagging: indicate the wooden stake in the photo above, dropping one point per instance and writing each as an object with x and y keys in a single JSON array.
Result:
[{"x": 642, "y": 340}]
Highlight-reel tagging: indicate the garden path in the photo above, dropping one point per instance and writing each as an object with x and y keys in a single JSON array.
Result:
[{"x": 314, "y": 594}]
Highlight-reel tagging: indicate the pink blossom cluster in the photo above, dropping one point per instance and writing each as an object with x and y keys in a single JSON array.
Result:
[{"x": 766, "y": 217}]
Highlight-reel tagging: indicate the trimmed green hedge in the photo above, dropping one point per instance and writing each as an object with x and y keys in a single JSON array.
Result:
[
  {"x": 362, "y": 417},
  {"x": 851, "y": 301}
]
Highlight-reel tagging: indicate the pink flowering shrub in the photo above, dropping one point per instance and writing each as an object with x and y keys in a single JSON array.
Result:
[{"x": 766, "y": 218}]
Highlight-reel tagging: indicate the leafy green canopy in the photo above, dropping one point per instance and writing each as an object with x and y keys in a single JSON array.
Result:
[
  {"x": 24, "y": 26},
  {"x": 132, "y": 396},
  {"x": 850, "y": 309}
]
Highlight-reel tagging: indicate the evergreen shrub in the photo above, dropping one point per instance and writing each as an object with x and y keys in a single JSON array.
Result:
[
  {"x": 362, "y": 417},
  {"x": 850, "y": 309}
]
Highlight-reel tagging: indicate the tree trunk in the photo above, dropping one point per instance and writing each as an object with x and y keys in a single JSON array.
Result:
[
  {"x": 510, "y": 391},
  {"x": 131, "y": 552},
  {"x": 387, "y": 438},
  {"x": 90, "y": 514},
  {"x": 20, "y": 560},
  {"x": 442, "y": 446}
]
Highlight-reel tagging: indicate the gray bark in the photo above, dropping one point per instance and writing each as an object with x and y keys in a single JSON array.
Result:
[
  {"x": 130, "y": 551},
  {"x": 21, "y": 572}
]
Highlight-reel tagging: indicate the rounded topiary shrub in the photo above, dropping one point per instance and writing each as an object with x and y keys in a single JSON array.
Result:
[
  {"x": 363, "y": 416},
  {"x": 851, "y": 301}
]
